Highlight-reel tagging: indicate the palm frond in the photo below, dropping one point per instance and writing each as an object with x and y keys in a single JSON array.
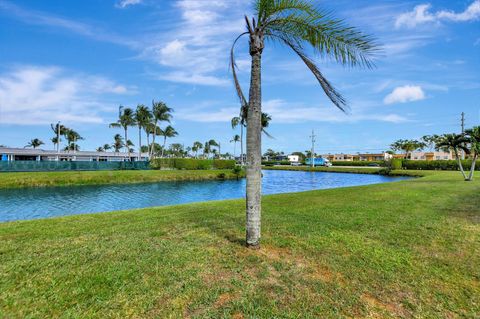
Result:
[
  {"x": 330, "y": 37},
  {"x": 334, "y": 96},
  {"x": 238, "y": 88}
]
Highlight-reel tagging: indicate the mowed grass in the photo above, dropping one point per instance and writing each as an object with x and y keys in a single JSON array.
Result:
[
  {"x": 41, "y": 179},
  {"x": 406, "y": 249}
]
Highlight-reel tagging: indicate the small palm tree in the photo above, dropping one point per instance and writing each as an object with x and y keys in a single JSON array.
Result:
[
  {"x": 106, "y": 147},
  {"x": 72, "y": 138},
  {"x": 295, "y": 24},
  {"x": 143, "y": 118},
  {"x": 206, "y": 149},
  {"x": 168, "y": 132},
  {"x": 125, "y": 120},
  {"x": 161, "y": 113},
  {"x": 454, "y": 142},
  {"x": 473, "y": 136},
  {"x": 196, "y": 147},
  {"x": 118, "y": 143},
  {"x": 58, "y": 130},
  {"x": 240, "y": 121},
  {"x": 235, "y": 140},
  {"x": 213, "y": 143},
  {"x": 100, "y": 149},
  {"x": 34, "y": 143}
]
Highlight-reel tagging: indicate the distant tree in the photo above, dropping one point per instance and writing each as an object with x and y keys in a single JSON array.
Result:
[
  {"x": 454, "y": 142},
  {"x": 235, "y": 140},
  {"x": 125, "y": 120},
  {"x": 407, "y": 146},
  {"x": 473, "y": 136},
  {"x": 265, "y": 123},
  {"x": 430, "y": 141},
  {"x": 240, "y": 121},
  {"x": 100, "y": 149},
  {"x": 212, "y": 143},
  {"x": 143, "y": 118},
  {"x": 196, "y": 147},
  {"x": 270, "y": 153},
  {"x": 161, "y": 113},
  {"x": 106, "y": 147},
  {"x": 176, "y": 149},
  {"x": 72, "y": 138},
  {"x": 34, "y": 143},
  {"x": 118, "y": 143},
  {"x": 59, "y": 130},
  {"x": 168, "y": 132}
]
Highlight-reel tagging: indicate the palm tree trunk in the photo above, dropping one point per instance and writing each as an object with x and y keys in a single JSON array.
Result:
[
  {"x": 153, "y": 138},
  {"x": 254, "y": 146},
  {"x": 460, "y": 164},
  {"x": 164, "y": 142},
  {"x": 472, "y": 168},
  {"x": 241, "y": 144},
  {"x": 234, "y": 148},
  {"x": 139, "y": 142}
]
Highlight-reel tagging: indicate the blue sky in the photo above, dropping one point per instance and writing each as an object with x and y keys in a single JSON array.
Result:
[{"x": 77, "y": 61}]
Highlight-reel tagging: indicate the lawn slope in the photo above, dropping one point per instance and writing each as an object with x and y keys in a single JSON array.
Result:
[
  {"x": 70, "y": 178},
  {"x": 403, "y": 249}
]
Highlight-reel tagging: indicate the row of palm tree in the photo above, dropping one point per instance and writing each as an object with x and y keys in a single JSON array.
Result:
[
  {"x": 146, "y": 120},
  {"x": 70, "y": 135}
]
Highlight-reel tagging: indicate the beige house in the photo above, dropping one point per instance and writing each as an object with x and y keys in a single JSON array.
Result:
[{"x": 431, "y": 156}]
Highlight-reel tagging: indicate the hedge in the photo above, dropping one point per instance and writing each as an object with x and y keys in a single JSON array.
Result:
[
  {"x": 271, "y": 163},
  {"x": 438, "y": 165},
  {"x": 357, "y": 163},
  {"x": 191, "y": 163}
]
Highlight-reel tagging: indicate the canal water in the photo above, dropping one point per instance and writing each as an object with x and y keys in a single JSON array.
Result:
[{"x": 32, "y": 203}]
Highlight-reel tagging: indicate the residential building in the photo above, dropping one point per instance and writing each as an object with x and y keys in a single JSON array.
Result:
[
  {"x": 26, "y": 154},
  {"x": 431, "y": 156},
  {"x": 370, "y": 157},
  {"x": 293, "y": 158}
]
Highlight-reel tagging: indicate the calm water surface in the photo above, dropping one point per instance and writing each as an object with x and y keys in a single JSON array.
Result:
[{"x": 31, "y": 203}]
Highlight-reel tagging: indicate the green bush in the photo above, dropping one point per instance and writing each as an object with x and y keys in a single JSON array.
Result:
[
  {"x": 396, "y": 163},
  {"x": 357, "y": 163},
  {"x": 224, "y": 164},
  {"x": 191, "y": 164},
  {"x": 438, "y": 165},
  {"x": 271, "y": 163}
]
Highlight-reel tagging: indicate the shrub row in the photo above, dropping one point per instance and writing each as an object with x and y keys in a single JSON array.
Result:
[
  {"x": 271, "y": 163},
  {"x": 357, "y": 163},
  {"x": 438, "y": 165},
  {"x": 191, "y": 163}
]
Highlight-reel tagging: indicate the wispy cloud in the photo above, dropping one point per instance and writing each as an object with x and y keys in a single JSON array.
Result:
[
  {"x": 122, "y": 4},
  {"x": 421, "y": 15},
  {"x": 44, "y": 19},
  {"x": 286, "y": 112},
  {"x": 40, "y": 95},
  {"x": 198, "y": 45},
  {"x": 406, "y": 93}
]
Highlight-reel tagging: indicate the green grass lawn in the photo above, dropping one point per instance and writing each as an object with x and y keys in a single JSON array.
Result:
[
  {"x": 404, "y": 249},
  {"x": 40, "y": 179}
]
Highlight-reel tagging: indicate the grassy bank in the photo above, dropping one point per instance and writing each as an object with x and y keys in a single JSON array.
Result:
[
  {"x": 331, "y": 169},
  {"x": 404, "y": 249},
  {"x": 40, "y": 179}
]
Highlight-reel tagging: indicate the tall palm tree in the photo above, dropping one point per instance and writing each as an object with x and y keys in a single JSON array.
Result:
[
  {"x": 454, "y": 142},
  {"x": 206, "y": 149},
  {"x": 212, "y": 143},
  {"x": 235, "y": 140},
  {"x": 296, "y": 24},
  {"x": 196, "y": 147},
  {"x": 143, "y": 118},
  {"x": 72, "y": 138},
  {"x": 168, "y": 132},
  {"x": 473, "y": 136},
  {"x": 58, "y": 130},
  {"x": 118, "y": 143},
  {"x": 125, "y": 120},
  {"x": 34, "y": 143},
  {"x": 161, "y": 113}
]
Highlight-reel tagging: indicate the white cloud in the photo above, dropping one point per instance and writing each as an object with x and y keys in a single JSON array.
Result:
[
  {"x": 42, "y": 95},
  {"x": 125, "y": 3},
  {"x": 197, "y": 47},
  {"x": 285, "y": 112},
  {"x": 406, "y": 93},
  {"x": 421, "y": 15}
]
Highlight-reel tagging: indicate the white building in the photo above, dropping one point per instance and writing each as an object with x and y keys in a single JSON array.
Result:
[
  {"x": 26, "y": 154},
  {"x": 293, "y": 158}
]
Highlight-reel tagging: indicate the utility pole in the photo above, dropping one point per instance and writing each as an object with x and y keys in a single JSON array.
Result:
[
  {"x": 58, "y": 141},
  {"x": 312, "y": 152}
]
